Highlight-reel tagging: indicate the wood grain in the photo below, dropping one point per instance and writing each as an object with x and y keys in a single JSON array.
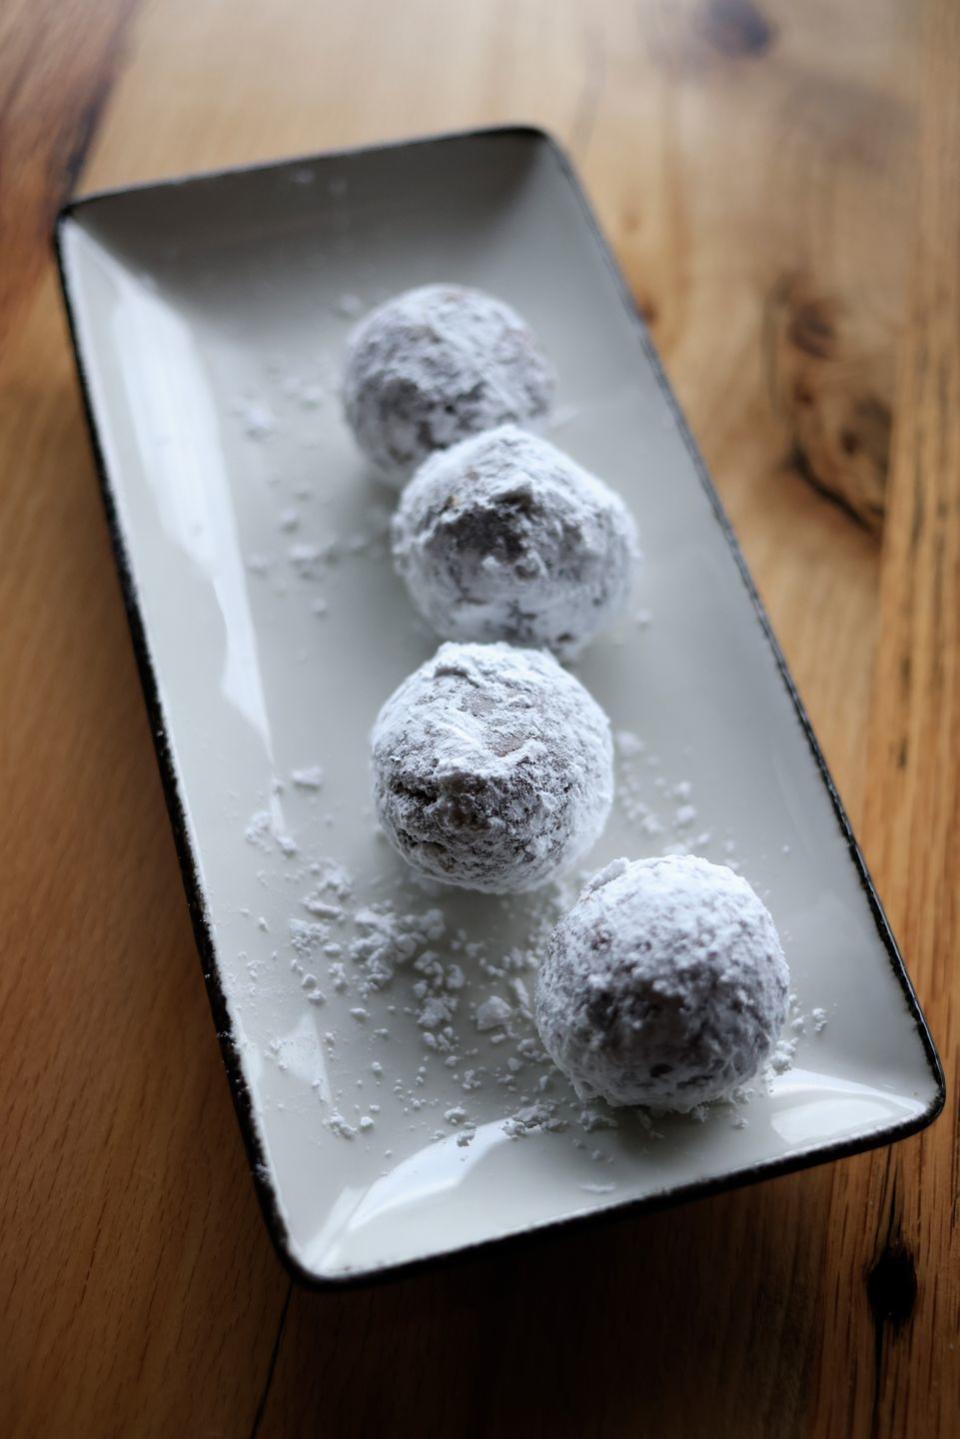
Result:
[
  {"x": 58, "y": 63},
  {"x": 754, "y": 166},
  {"x": 907, "y": 1374}
]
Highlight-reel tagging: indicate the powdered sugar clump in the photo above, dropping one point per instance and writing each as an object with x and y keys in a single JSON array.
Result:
[
  {"x": 503, "y": 537},
  {"x": 263, "y": 833},
  {"x": 493, "y": 1013},
  {"x": 665, "y": 985},
  {"x": 386, "y": 939},
  {"x": 492, "y": 767},
  {"x": 434, "y": 365},
  {"x": 259, "y": 421},
  {"x": 309, "y": 778}
]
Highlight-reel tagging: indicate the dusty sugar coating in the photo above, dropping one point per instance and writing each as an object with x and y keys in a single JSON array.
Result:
[
  {"x": 434, "y": 365},
  {"x": 503, "y": 537},
  {"x": 665, "y": 985},
  {"x": 492, "y": 768}
]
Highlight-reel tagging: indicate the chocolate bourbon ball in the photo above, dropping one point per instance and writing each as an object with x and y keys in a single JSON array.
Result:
[
  {"x": 504, "y": 537},
  {"x": 492, "y": 768},
  {"x": 665, "y": 984},
  {"x": 434, "y": 365}
]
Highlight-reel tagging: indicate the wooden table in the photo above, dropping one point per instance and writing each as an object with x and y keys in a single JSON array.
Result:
[{"x": 781, "y": 181}]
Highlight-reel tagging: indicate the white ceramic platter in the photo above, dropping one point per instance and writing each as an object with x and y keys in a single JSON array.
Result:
[{"x": 209, "y": 318}]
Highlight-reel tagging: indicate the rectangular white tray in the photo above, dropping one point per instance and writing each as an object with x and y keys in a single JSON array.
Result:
[{"x": 209, "y": 318}]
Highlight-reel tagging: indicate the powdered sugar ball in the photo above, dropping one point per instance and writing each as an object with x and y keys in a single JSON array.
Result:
[
  {"x": 492, "y": 767},
  {"x": 664, "y": 985},
  {"x": 504, "y": 537},
  {"x": 437, "y": 364}
]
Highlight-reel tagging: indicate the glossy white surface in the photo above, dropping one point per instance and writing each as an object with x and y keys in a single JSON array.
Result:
[{"x": 211, "y": 318}]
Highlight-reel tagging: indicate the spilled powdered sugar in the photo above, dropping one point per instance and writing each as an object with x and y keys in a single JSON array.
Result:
[
  {"x": 661, "y": 811},
  {"x": 446, "y": 1020}
]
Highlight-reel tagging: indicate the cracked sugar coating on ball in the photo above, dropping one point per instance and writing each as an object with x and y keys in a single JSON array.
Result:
[
  {"x": 492, "y": 767},
  {"x": 434, "y": 365},
  {"x": 665, "y": 985},
  {"x": 504, "y": 537}
]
